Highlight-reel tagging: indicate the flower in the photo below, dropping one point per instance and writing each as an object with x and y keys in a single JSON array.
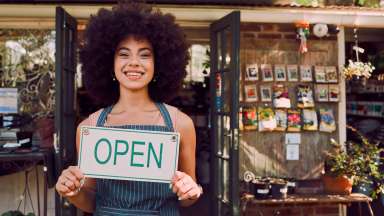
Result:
[{"x": 358, "y": 69}]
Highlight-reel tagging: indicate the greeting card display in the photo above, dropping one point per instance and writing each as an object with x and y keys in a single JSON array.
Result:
[
  {"x": 250, "y": 93},
  {"x": 334, "y": 92},
  {"x": 304, "y": 96},
  {"x": 294, "y": 120},
  {"x": 293, "y": 73},
  {"x": 321, "y": 92},
  {"x": 267, "y": 120},
  {"x": 252, "y": 72},
  {"x": 309, "y": 120},
  {"x": 320, "y": 75},
  {"x": 266, "y": 71},
  {"x": 280, "y": 97},
  {"x": 331, "y": 74},
  {"x": 327, "y": 120},
  {"x": 306, "y": 73},
  {"x": 266, "y": 93},
  {"x": 249, "y": 118},
  {"x": 281, "y": 120},
  {"x": 280, "y": 74}
]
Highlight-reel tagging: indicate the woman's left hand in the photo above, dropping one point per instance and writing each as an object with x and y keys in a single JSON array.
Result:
[{"x": 185, "y": 187}]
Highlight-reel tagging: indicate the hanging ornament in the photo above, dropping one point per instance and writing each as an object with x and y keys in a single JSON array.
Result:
[
  {"x": 302, "y": 33},
  {"x": 320, "y": 30}
]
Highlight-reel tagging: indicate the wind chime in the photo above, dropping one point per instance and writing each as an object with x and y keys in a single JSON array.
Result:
[{"x": 302, "y": 33}]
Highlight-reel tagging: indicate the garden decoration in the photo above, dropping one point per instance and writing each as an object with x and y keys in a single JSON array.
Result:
[
  {"x": 302, "y": 33},
  {"x": 357, "y": 68}
]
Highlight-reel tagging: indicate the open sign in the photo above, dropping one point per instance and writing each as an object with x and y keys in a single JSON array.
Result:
[{"x": 137, "y": 155}]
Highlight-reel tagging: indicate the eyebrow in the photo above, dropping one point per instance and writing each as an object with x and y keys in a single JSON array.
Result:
[{"x": 127, "y": 49}]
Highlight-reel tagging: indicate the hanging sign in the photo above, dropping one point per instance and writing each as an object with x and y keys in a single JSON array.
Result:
[{"x": 126, "y": 154}]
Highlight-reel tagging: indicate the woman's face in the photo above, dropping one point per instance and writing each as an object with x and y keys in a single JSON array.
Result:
[{"x": 134, "y": 63}]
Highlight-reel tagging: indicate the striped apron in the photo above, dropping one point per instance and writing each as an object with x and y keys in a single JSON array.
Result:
[{"x": 124, "y": 197}]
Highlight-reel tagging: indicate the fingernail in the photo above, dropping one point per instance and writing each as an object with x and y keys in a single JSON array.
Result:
[
  {"x": 170, "y": 185},
  {"x": 179, "y": 198}
]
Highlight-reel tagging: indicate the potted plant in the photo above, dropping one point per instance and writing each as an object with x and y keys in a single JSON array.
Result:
[{"x": 353, "y": 164}]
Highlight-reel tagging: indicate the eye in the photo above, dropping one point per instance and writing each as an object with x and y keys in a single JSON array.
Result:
[
  {"x": 123, "y": 54},
  {"x": 146, "y": 54}
]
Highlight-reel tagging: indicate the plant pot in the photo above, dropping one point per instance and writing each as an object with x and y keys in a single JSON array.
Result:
[
  {"x": 279, "y": 190},
  {"x": 341, "y": 185},
  {"x": 291, "y": 187},
  {"x": 261, "y": 190}
]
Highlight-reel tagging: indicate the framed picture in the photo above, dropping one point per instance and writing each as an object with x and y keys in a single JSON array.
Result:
[
  {"x": 321, "y": 92},
  {"x": 250, "y": 93},
  {"x": 266, "y": 93},
  {"x": 266, "y": 71},
  {"x": 280, "y": 74},
  {"x": 305, "y": 73},
  {"x": 320, "y": 75},
  {"x": 334, "y": 92},
  {"x": 293, "y": 73},
  {"x": 252, "y": 72},
  {"x": 331, "y": 74}
]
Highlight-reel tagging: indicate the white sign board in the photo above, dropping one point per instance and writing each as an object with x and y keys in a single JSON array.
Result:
[{"x": 137, "y": 155}]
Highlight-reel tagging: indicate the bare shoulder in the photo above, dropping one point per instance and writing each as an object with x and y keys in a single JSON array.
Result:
[
  {"x": 91, "y": 120},
  {"x": 182, "y": 121}
]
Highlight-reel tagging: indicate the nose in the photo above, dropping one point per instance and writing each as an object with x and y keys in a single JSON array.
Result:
[{"x": 134, "y": 62}]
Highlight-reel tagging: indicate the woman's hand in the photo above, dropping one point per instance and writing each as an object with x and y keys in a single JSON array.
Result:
[
  {"x": 185, "y": 187},
  {"x": 70, "y": 181}
]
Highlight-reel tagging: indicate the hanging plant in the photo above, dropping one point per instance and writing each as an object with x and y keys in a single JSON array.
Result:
[{"x": 358, "y": 69}]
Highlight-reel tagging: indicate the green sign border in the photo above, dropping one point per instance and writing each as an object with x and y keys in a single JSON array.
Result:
[{"x": 128, "y": 130}]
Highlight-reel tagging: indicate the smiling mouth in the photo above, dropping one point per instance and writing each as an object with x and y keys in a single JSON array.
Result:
[{"x": 133, "y": 74}]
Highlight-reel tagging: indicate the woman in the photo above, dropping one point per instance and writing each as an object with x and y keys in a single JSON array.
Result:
[{"x": 134, "y": 59}]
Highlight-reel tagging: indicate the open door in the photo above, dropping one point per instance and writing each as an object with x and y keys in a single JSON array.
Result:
[
  {"x": 225, "y": 51},
  {"x": 65, "y": 128}
]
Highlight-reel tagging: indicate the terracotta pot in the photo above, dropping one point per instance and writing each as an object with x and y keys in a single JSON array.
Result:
[{"x": 337, "y": 185}]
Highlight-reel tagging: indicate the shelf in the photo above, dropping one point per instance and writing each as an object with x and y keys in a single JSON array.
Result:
[{"x": 362, "y": 115}]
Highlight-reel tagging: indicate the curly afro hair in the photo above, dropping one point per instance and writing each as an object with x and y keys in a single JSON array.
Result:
[{"x": 108, "y": 27}]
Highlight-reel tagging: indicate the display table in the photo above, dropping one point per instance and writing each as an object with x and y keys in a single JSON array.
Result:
[
  {"x": 24, "y": 158},
  {"x": 248, "y": 203}
]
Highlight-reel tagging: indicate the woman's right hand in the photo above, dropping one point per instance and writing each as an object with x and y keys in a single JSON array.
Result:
[{"x": 70, "y": 181}]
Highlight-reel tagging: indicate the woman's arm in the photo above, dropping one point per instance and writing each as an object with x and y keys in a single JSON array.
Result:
[
  {"x": 184, "y": 182},
  {"x": 71, "y": 184}
]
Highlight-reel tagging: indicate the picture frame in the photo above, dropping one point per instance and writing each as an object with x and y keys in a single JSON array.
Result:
[
  {"x": 252, "y": 72},
  {"x": 320, "y": 75},
  {"x": 280, "y": 73},
  {"x": 321, "y": 92},
  {"x": 292, "y": 73},
  {"x": 331, "y": 74},
  {"x": 306, "y": 73},
  {"x": 266, "y": 93},
  {"x": 334, "y": 92},
  {"x": 250, "y": 92},
  {"x": 266, "y": 71}
]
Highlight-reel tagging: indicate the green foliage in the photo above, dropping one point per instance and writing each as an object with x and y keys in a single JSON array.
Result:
[{"x": 358, "y": 160}]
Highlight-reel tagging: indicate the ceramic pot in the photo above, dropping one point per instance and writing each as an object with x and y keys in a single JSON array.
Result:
[
  {"x": 279, "y": 190},
  {"x": 261, "y": 190},
  {"x": 337, "y": 185}
]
